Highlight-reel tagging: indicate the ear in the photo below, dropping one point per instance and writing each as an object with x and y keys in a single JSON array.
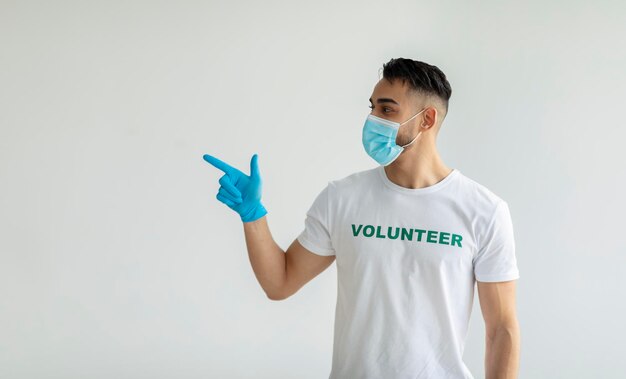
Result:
[{"x": 430, "y": 117}]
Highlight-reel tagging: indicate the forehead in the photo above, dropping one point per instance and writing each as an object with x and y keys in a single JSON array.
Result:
[{"x": 397, "y": 91}]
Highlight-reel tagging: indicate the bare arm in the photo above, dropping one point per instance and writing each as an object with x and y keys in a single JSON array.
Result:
[
  {"x": 497, "y": 302},
  {"x": 280, "y": 273}
]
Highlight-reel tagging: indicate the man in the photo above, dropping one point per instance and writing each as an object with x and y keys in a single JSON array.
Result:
[{"x": 410, "y": 237}]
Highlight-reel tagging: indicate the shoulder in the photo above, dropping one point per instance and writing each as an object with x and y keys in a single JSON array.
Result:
[
  {"x": 484, "y": 200},
  {"x": 354, "y": 180},
  {"x": 483, "y": 205}
]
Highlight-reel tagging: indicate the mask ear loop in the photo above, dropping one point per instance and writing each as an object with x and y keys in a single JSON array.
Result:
[
  {"x": 414, "y": 139},
  {"x": 413, "y": 117},
  {"x": 418, "y": 134}
]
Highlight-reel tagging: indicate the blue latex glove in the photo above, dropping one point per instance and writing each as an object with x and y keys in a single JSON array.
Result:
[{"x": 242, "y": 193}]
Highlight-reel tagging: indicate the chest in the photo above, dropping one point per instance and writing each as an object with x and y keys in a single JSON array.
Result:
[{"x": 419, "y": 235}]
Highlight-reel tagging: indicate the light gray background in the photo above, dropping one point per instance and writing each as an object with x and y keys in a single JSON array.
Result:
[{"x": 117, "y": 260}]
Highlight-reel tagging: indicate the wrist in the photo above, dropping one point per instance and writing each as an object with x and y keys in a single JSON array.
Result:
[{"x": 255, "y": 213}]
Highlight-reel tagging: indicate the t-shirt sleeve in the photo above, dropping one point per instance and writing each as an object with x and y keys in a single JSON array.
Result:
[
  {"x": 495, "y": 260},
  {"x": 316, "y": 236}
]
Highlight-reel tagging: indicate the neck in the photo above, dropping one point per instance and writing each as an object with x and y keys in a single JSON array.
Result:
[{"x": 421, "y": 170}]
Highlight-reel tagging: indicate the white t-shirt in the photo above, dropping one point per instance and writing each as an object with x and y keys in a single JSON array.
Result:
[{"x": 407, "y": 261}]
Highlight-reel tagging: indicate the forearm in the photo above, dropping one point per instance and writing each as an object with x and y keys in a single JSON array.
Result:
[
  {"x": 502, "y": 355},
  {"x": 266, "y": 257}
]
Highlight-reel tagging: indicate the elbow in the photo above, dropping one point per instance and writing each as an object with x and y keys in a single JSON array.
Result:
[
  {"x": 275, "y": 296},
  {"x": 507, "y": 329}
]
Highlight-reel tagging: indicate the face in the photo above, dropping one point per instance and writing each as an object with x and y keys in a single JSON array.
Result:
[{"x": 391, "y": 101}]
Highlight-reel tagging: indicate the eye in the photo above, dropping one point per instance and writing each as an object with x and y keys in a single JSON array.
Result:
[{"x": 385, "y": 109}]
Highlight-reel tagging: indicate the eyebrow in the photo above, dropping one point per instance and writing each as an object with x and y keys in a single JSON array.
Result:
[{"x": 385, "y": 100}]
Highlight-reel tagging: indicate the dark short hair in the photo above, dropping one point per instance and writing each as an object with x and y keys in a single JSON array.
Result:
[{"x": 421, "y": 77}]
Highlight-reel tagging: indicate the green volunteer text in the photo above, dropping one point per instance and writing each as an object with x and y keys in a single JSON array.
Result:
[{"x": 421, "y": 235}]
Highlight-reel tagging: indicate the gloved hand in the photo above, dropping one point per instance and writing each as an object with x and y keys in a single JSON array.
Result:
[{"x": 242, "y": 193}]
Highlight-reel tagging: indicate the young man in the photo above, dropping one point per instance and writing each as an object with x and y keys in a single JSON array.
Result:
[{"x": 411, "y": 237}]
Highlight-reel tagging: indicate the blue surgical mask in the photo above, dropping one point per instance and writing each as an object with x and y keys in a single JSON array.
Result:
[{"x": 379, "y": 138}]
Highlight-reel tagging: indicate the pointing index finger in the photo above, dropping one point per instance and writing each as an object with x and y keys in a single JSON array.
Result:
[{"x": 218, "y": 163}]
